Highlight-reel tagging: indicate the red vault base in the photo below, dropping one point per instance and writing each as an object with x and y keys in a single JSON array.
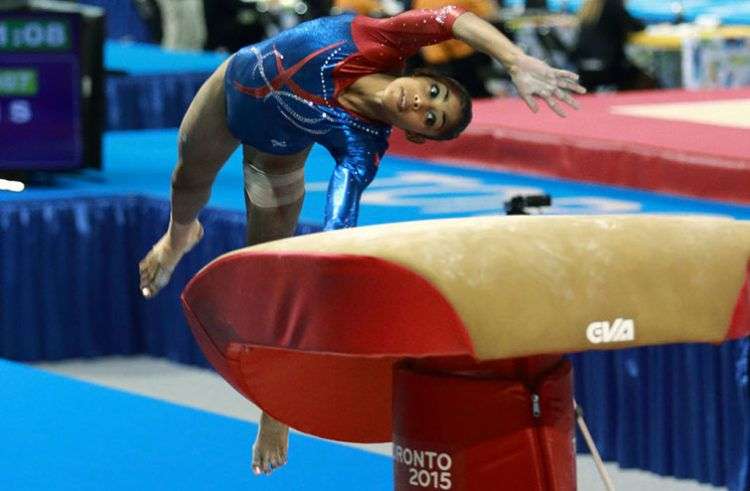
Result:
[{"x": 483, "y": 432}]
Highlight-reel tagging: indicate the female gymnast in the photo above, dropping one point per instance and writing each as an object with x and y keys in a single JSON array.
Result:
[{"x": 335, "y": 81}]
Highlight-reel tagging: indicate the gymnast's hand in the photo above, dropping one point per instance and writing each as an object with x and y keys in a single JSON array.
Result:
[
  {"x": 533, "y": 77},
  {"x": 157, "y": 267}
]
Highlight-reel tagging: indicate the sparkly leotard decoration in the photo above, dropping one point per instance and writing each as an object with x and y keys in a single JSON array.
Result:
[{"x": 282, "y": 92}]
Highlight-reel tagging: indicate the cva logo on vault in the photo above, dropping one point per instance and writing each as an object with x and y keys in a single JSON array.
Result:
[{"x": 619, "y": 331}]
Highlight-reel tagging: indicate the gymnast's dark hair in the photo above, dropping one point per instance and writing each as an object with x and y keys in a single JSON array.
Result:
[{"x": 464, "y": 99}]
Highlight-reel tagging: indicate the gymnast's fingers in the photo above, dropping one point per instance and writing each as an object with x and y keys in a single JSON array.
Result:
[
  {"x": 552, "y": 103},
  {"x": 529, "y": 100},
  {"x": 555, "y": 107},
  {"x": 566, "y": 74},
  {"x": 566, "y": 98},
  {"x": 571, "y": 86}
]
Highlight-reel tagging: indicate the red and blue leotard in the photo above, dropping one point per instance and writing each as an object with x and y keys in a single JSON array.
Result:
[{"x": 282, "y": 92}]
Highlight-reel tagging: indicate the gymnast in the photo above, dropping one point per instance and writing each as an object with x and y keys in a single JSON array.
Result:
[{"x": 336, "y": 81}]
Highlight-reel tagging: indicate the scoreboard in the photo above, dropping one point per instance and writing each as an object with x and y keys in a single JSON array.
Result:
[
  {"x": 48, "y": 116},
  {"x": 35, "y": 34}
]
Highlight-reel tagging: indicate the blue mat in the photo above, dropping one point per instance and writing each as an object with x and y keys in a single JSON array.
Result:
[
  {"x": 61, "y": 434},
  {"x": 731, "y": 13},
  {"x": 657, "y": 11},
  {"x": 148, "y": 59}
]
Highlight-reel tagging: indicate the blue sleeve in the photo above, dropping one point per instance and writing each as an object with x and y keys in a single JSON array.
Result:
[
  {"x": 344, "y": 192},
  {"x": 355, "y": 169}
]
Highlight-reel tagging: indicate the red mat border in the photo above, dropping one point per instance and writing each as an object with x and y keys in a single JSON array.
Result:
[{"x": 575, "y": 149}]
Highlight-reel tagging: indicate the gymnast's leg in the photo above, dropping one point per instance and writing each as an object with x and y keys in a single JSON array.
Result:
[
  {"x": 274, "y": 191},
  {"x": 205, "y": 143}
]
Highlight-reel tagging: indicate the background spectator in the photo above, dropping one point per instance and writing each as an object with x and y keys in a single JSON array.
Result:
[
  {"x": 234, "y": 24},
  {"x": 151, "y": 15},
  {"x": 183, "y": 24},
  {"x": 599, "y": 53}
]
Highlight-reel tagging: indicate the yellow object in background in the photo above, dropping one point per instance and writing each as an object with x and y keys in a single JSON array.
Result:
[
  {"x": 671, "y": 37},
  {"x": 361, "y": 7}
]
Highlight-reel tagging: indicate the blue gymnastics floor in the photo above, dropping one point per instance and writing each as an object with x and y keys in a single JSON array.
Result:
[
  {"x": 140, "y": 162},
  {"x": 59, "y": 434},
  {"x": 150, "y": 59}
]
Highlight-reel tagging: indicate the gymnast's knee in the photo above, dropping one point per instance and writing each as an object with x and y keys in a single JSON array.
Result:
[{"x": 265, "y": 189}]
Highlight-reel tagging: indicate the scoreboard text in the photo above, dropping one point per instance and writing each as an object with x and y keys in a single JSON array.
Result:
[{"x": 34, "y": 35}]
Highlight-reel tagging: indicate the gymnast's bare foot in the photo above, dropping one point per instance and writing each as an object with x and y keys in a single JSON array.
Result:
[
  {"x": 269, "y": 451},
  {"x": 157, "y": 267}
]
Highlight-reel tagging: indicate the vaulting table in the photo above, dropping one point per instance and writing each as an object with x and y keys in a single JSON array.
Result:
[{"x": 448, "y": 336}]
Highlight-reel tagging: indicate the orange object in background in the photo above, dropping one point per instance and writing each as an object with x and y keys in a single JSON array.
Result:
[
  {"x": 453, "y": 49},
  {"x": 361, "y": 7}
]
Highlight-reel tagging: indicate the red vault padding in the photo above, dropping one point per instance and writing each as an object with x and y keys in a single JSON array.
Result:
[
  {"x": 312, "y": 338},
  {"x": 482, "y": 433},
  {"x": 740, "y": 324},
  {"x": 298, "y": 330}
]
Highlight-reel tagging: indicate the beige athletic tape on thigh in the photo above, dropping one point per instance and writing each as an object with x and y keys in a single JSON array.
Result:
[{"x": 273, "y": 190}]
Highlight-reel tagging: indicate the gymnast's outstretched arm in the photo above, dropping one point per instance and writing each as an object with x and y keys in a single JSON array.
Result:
[{"x": 531, "y": 76}]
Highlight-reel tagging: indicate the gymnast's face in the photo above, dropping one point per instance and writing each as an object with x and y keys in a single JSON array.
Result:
[{"x": 421, "y": 105}]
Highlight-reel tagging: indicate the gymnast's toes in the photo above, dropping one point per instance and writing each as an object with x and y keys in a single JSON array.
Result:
[
  {"x": 268, "y": 456},
  {"x": 157, "y": 267},
  {"x": 154, "y": 273}
]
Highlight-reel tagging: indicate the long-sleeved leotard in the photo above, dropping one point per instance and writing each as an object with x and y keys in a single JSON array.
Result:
[{"x": 282, "y": 93}]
